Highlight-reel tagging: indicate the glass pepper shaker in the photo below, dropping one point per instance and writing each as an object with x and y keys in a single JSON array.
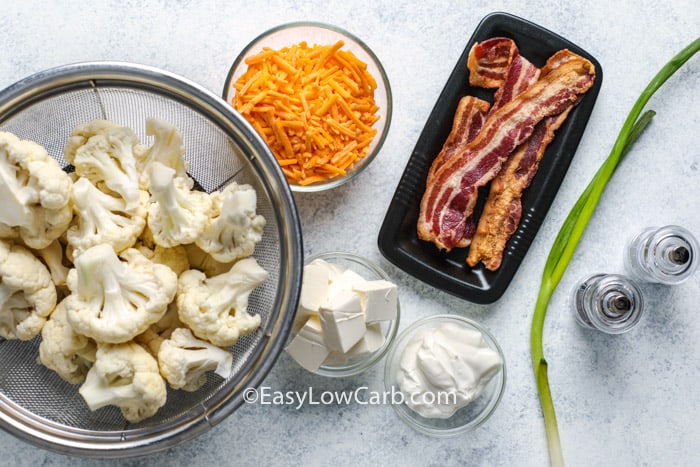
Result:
[
  {"x": 665, "y": 255},
  {"x": 610, "y": 303}
]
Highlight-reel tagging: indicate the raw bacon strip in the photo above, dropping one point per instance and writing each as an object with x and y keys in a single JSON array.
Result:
[
  {"x": 450, "y": 199},
  {"x": 503, "y": 208},
  {"x": 468, "y": 120},
  {"x": 488, "y": 61}
]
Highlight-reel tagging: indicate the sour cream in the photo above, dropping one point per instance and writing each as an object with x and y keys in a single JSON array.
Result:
[{"x": 443, "y": 369}]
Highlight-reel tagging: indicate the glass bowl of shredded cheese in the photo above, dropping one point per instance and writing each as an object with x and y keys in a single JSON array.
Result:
[{"x": 318, "y": 96}]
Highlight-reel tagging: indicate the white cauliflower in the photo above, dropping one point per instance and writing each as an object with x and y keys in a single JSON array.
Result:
[
  {"x": 63, "y": 350},
  {"x": 52, "y": 256},
  {"x": 7, "y": 232},
  {"x": 113, "y": 301},
  {"x": 215, "y": 308},
  {"x": 103, "y": 218},
  {"x": 152, "y": 338},
  {"x": 35, "y": 193},
  {"x": 184, "y": 360},
  {"x": 234, "y": 228},
  {"x": 175, "y": 258},
  {"x": 103, "y": 152},
  {"x": 167, "y": 149},
  {"x": 27, "y": 294},
  {"x": 201, "y": 260},
  {"x": 128, "y": 223},
  {"x": 177, "y": 215},
  {"x": 126, "y": 376}
]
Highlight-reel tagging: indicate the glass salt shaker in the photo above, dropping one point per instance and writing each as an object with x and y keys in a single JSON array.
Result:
[
  {"x": 665, "y": 255},
  {"x": 610, "y": 303}
]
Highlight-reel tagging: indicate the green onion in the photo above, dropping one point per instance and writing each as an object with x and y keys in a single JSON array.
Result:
[{"x": 571, "y": 231}]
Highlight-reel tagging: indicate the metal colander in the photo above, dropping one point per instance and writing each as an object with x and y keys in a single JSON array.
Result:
[{"x": 37, "y": 405}]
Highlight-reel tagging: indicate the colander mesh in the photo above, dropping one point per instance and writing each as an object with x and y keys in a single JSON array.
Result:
[{"x": 214, "y": 161}]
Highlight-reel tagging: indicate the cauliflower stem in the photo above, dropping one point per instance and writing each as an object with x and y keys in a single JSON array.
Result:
[{"x": 167, "y": 149}]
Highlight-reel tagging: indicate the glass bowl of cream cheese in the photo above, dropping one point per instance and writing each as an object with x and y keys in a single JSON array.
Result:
[
  {"x": 446, "y": 374},
  {"x": 347, "y": 317}
]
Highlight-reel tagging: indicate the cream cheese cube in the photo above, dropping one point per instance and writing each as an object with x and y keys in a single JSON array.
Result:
[
  {"x": 379, "y": 299},
  {"x": 342, "y": 321},
  {"x": 345, "y": 282},
  {"x": 334, "y": 270},
  {"x": 314, "y": 292},
  {"x": 307, "y": 347},
  {"x": 372, "y": 341}
]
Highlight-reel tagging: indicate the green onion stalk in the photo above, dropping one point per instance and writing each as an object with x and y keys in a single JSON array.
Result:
[{"x": 571, "y": 231}]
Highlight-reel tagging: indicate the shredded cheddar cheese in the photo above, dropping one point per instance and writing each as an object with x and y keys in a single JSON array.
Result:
[{"x": 313, "y": 106}]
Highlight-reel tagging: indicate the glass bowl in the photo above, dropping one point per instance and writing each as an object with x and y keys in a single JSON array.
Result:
[
  {"x": 369, "y": 271},
  {"x": 313, "y": 33},
  {"x": 465, "y": 419}
]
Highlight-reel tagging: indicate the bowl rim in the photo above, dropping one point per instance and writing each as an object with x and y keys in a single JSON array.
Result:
[
  {"x": 141, "y": 440},
  {"x": 334, "y": 182},
  {"x": 363, "y": 364},
  {"x": 391, "y": 384}
]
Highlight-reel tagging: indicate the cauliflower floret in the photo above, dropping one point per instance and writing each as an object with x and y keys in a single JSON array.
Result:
[
  {"x": 215, "y": 308},
  {"x": 103, "y": 152},
  {"x": 63, "y": 350},
  {"x": 152, "y": 338},
  {"x": 234, "y": 228},
  {"x": 27, "y": 295},
  {"x": 184, "y": 360},
  {"x": 175, "y": 258},
  {"x": 7, "y": 232},
  {"x": 127, "y": 376},
  {"x": 52, "y": 257},
  {"x": 113, "y": 301},
  {"x": 177, "y": 215},
  {"x": 199, "y": 259},
  {"x": 35, "y": 193},
  {"x": 103, "y": 218},
  {"x": 167, "y": 149}
]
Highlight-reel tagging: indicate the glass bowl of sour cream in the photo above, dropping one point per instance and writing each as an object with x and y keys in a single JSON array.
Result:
[{"x": 446, "y": 374}]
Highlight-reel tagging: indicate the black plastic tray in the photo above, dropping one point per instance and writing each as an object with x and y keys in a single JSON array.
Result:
[{"x": 398, "y": 240}]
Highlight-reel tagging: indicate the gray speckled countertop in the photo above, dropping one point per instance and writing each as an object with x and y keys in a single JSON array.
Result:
[{"x": 626, "y": 400}]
